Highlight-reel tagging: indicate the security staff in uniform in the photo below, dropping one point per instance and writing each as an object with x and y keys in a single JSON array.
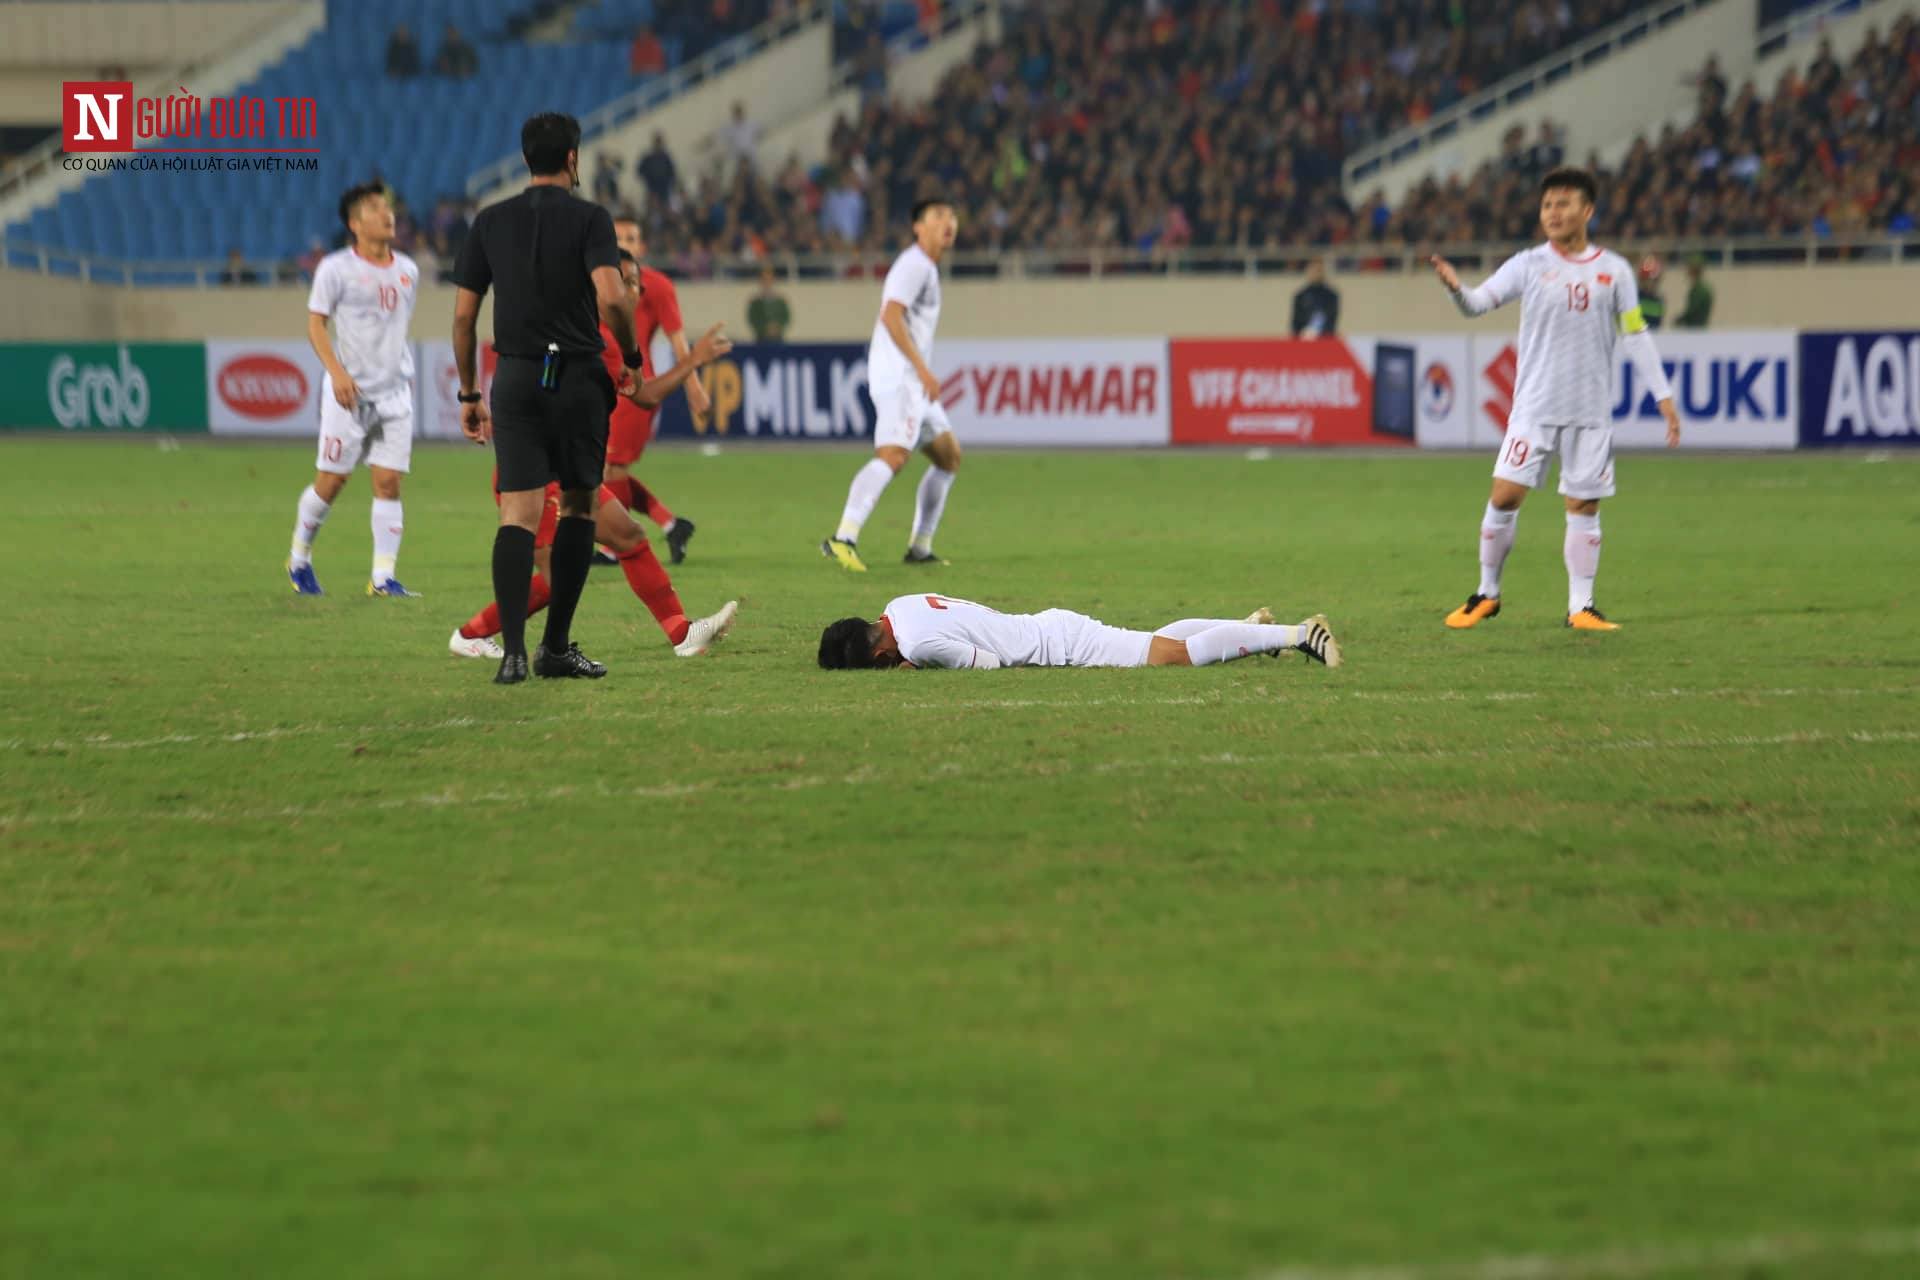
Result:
[{"x": 552, "y": 263}]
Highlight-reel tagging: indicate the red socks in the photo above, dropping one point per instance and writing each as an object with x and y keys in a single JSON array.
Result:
[
  {"x": 656, "y": 509},
  {"x": 487, "y": 621},
  {"x": 650, "y": 582},
  {"x": 637, "y": 498}
]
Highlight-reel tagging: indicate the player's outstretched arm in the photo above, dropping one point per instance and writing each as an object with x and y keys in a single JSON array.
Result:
[
  {"x": 696, "y": 393},
  {"x": 1502, "y": 287},
  {"x": 653, "y": 393}
]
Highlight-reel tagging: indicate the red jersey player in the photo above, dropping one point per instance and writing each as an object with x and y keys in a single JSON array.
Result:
[
  {"x": 657, "y": 310},
  {"x": 615, "y": 528}
]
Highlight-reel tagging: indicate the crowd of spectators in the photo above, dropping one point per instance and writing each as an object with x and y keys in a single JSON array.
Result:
[
  {"x": 1834, "y": 150},
  {"x": 1158, "y": 128}
]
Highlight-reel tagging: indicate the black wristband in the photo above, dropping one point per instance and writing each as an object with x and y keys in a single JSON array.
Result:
[
  {"x": 468, "y": 397},
  {"x": 632, "y": 359}
]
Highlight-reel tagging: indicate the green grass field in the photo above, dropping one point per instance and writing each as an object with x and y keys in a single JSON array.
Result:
[{"x": 322, "y": 956}]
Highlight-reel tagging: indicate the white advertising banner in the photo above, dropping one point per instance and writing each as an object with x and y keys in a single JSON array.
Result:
[
  {"x": 437, "y": 384},
  {"x": 1735, "y": 390},
  {"x": 1058, "y": 392},
  {"x": 1420, "y": 381},
  {"x": 266, "y": 388}
]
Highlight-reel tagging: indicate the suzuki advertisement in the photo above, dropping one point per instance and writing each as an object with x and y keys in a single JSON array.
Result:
[{"x": 1734, "y": 390}]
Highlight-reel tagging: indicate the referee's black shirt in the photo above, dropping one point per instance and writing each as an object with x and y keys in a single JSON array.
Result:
[{"x": 538, "y": 251}]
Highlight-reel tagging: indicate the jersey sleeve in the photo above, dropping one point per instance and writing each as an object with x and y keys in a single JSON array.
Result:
[
  {"x": 1500, "y": 288},
  {"x": 947, "y": 653},
  {"x": 1626, "y": 300},
  {"x": 602, "y": 249},
  {"x": 471, "y": 270},
  {"x": 324, "y": 297},
  {"x": 610, "y": 356},
  {"x": 905, "y": 279},
  {"x": 666, "y": 306}
]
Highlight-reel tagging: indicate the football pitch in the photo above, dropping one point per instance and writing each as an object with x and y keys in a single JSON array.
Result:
[{"x": 322, "y": 956}]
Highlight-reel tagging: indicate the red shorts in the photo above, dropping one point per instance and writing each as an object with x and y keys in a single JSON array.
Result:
[
  {"x": 628, "y": 432},
  {"x": 550, "y": 512}
]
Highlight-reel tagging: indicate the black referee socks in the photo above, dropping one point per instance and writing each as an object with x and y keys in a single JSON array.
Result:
[
  {"x": 572, "y": 558},
  {"x": 512, "y": 572}
]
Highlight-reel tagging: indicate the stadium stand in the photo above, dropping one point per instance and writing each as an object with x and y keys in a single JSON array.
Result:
[
  {"x": 1126, "y": 129},
  {"x": 1833, "y": 150},
  {"x": 362, "y": 109}
]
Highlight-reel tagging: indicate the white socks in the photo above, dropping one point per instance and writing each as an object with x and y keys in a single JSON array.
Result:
[
  {"x": 868, "y": 484},
  {"x": 931, "y": 501},
  {"x": 306, "y": 527},
  {"x": 1582, "y": 550},
  {"x": 1225, "y": 641},
  {"x": 1497, "y": 528},
  {"x": 387, "y": 525}
]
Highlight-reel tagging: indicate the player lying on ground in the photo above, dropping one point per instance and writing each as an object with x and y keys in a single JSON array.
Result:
[
  {"x": 656, "y": 309},
  {"x": 614, "y": 527},
  {"x": 1576, "y": 301},
  {"x": 941, "y": 631},
  {"x": 366, "y": 396},
  {"x": 906, "y": 395}
]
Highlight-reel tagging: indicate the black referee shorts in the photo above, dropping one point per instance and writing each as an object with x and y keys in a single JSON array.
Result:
[{"x": 541, "y": 435}]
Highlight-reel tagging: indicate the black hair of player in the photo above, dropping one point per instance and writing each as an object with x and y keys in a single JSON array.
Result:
[
  {"x": 922, "y": 207},
  {"x": 1570, "y": 177},
  {"x": 844, "y": 645},
  {"x": 354, "y": 195},
  {"x": 626, "y": 255},
  {"x": 545, "y": 140}
]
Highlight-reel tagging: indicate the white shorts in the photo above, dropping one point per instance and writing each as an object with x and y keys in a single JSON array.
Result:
[
  {"x": 1586, "y": 458},
  {"x": 379, "y": 433},
  {"x": 1075, "y": 640},
  {"x": 902, "y": 411}
]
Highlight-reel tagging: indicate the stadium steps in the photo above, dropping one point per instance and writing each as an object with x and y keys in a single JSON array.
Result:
[
  {"x": 276, "y": 29},
  {"x": 781, "y": 68},
  {"x": 916, "y": 64}
]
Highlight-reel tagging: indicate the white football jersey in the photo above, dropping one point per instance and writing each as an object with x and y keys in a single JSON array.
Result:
[
  {"x": 372, "y": 309},
  {"x": 1572, "y": 312},
  {"x": 914, "y": 282},
  {"x": 942, "y": 631}
]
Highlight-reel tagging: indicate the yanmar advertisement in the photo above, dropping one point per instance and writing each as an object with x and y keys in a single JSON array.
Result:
[
  {"x": 269, "y": 388},
  {"x": 1859, "y": 388},
  {"x": 1056, "y": 392}
]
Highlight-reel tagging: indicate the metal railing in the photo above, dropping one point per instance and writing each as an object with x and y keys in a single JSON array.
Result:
[
  {"x": 659, "y": 89},
  {"x": 1412, "y": 139},
  {"x": 41, "y": 160},
  {"x": 1062, "y": 264},
  {"x": 1801, "y": 23}
]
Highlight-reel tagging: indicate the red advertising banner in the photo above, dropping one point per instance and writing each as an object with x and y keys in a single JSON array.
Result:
[{"x": 1273, "y": 391}]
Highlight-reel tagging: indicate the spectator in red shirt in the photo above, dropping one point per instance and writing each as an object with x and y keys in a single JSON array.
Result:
[{"x": 646, "y": 56}]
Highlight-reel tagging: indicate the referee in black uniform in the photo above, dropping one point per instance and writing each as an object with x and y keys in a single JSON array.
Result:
[{"x": 551, "y": 260}]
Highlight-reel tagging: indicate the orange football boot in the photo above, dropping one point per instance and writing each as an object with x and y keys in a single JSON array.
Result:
[{"x": 1475, "y": 611}]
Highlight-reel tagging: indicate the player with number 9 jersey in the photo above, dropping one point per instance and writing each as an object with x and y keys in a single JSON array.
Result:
[{"x": 1578, "y": 303}]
